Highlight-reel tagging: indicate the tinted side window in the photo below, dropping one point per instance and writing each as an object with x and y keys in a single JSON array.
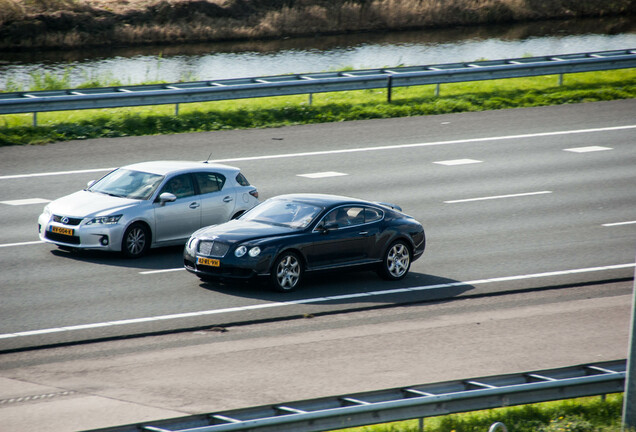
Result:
[
  {"x": 181, "y": 186},
  {"x": 345, "y": 216},
  {"x": 240, "y": 179},
  {"x": 209, "y": 182},
  {"x": 372, "y": 215}
]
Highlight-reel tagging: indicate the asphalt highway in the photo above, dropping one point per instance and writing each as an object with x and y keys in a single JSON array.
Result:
[
  {"x": 510, "y": 200},
  {"x": 206, "y": 371}
]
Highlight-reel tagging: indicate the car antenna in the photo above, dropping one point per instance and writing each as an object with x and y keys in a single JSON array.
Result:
[{"x": 206, "y": 161}]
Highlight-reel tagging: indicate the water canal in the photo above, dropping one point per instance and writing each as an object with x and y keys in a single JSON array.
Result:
[{"x": 326, "y": 53}]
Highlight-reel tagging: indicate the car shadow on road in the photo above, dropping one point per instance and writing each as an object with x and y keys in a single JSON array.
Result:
[
  {"x": 157, "y": 259},
  {"x": 348, "y": 288}
]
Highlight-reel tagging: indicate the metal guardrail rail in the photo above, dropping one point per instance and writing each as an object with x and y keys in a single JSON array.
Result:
[
  {"x": 202, "y": 91},
  {"x": 405, "y": 403}
]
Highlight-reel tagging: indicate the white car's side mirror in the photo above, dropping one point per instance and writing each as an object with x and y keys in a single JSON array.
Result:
[{"x": 167, "y": 197}]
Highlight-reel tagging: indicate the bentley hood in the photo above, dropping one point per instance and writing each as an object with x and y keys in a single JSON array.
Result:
[
  {"x": 239, "y": 231},
  {"x": 83, "y": 204}
]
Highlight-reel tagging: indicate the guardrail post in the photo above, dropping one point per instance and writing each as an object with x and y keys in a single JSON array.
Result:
[
  {"x": 437, "y": 90},
  {"x": 35, "y": 119},
  {"x": 176, "y": 109},
  {"x": 560, "y": 80},
  {"x": 311, "y": 98},
  {"x": 629, "y": 403},
  {"x": 389, "y": 88},
  {"x": 421, "y": 424}
]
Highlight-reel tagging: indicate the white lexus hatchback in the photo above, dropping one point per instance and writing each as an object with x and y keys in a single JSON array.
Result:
[{"x": 148, "y": 204}]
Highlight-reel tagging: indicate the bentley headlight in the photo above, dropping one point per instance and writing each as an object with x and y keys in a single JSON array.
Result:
[
  {"x": 254, "y": 252},
  {"x": 240, "y": 251},
  {"x": 105, "y": 220}
]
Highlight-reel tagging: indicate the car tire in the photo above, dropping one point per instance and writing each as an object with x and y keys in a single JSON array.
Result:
[
  {"x": 136, "y": 241},
  {"x": 287, "y": 272},
  {"x": 396, "y": 262}
]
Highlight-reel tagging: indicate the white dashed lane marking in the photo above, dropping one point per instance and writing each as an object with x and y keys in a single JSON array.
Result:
[
  {"x": 458, "y": 162},
  {"x": 619, "y": 223},
  {"x": 26, "y": 201},
  {"x": 21, "y": 243},
  {"x": 587, "y": 149},
  {"x": 322, "y": 174}
]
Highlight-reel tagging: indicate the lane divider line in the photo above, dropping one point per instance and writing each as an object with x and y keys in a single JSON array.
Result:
[
  {"x": 434, "y": 143},
  {"x": 619, "y": 223},
  {"x": 310, "y": 300},
  {"x": 55, "y": 173},
  {"x": 21, "y": 243},
  {"x": 26, "y": 201},
  {"x": 361, "y": 149},
  {"x": 147, "y": 272},
  {"x": 498, "y": 197}
]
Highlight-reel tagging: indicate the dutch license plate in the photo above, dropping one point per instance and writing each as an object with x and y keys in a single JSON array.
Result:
[
  {"x": 60, "y": 230},
  {"x": 209, "y": 262}
]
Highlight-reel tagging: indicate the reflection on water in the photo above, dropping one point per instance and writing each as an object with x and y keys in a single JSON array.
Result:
[{"x": 302, "y": 55}]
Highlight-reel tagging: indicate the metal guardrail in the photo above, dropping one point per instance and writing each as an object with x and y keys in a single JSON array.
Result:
[
  {"x": 404, "y": 403},
  {"x": 202, "y": 91}
]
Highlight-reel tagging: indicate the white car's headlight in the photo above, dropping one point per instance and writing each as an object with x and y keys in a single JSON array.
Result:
[
  {"x": 106, "y": 220},
  {"x": 47, "y": 211}
]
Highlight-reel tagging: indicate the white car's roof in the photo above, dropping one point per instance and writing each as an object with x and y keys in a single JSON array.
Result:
[{"x": 167, "y": 167}]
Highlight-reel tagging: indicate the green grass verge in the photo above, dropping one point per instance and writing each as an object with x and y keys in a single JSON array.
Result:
[
  {"x": 591, "y": 414},
  {"x": 17, "y": 129}
]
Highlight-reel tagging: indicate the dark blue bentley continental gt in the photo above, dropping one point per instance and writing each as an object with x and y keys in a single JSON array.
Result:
[{"x": 289, "y": 235}]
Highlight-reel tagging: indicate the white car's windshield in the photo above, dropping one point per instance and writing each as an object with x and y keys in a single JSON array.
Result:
[
  {"x": 280, "y": 212},
  {"x": 125, "y": 183}
]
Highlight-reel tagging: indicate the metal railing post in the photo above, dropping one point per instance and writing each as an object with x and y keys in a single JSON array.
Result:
[
  {"x": 389, "y": 88},
  {"x": 35, "y": 119},
  {"x": 629, "y": 403}
]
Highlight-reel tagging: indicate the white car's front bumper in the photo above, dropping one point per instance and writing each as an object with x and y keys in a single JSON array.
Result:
[{"x": 98, "y": 236}]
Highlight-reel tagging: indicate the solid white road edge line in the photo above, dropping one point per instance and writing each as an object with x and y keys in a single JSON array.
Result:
[
  {"x": 310, "y": 300},
  {"x": 360, "y": 149}
]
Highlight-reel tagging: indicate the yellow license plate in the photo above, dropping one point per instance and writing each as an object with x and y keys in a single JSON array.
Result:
[
  {"x": 209, "y": 262},
  {"x": 60, "y": 230}
]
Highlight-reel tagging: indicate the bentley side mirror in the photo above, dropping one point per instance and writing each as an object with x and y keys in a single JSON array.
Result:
[{"x": 329, "y": 227}]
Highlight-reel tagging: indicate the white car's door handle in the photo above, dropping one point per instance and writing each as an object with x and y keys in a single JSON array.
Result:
[
  {"x": 194, "y": 205},
  {"x": 227, "y": 199}
]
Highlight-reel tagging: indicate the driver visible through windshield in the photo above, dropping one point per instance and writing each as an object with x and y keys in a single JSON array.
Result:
[{"x": 125, "y": 183}]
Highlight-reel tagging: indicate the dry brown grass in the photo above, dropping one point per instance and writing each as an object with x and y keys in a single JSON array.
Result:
[{"x": 28, "y": 24}]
